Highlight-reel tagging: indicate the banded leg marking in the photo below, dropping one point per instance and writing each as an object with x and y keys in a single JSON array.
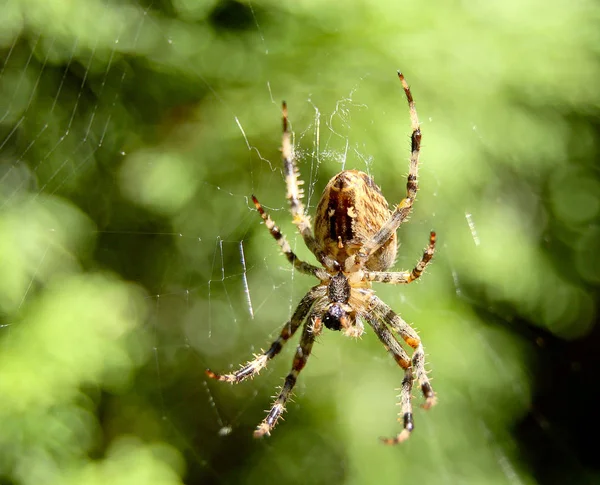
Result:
[
  {"x": 284, "y": 245},
  {"x": 250, "y": 369},
  {"x": 295, "y": 193},
  {"x": 403, "y": 360},
  {"x": 405, "y": 331},
  {"x": 405, "y": 277},
  {"x": 300, "y": 358},
  {"x": 404, "y": 208}
]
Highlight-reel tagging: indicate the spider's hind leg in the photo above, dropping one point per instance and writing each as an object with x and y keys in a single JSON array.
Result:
[
  {"x": 295, "y": 193},
  {"x": 403, "y": 209},
  {"x": 284, "y": 245}
]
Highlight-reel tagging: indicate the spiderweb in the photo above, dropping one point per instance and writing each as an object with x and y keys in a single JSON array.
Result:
[{"x": 132, "y": 135}]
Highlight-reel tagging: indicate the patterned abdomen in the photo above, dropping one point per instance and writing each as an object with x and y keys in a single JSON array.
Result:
[{"x": 351, "y": 210}]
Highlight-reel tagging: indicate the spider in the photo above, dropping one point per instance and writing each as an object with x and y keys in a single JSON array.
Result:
[{"x": 354, "y": 240}]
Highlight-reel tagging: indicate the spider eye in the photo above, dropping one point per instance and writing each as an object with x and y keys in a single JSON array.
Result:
[{"x": 333, "y": 316}]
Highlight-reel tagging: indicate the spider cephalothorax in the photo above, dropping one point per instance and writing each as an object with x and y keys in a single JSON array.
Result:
[
  {"x": 338, "y": 314},
  {"x": 354, "y": 239}
]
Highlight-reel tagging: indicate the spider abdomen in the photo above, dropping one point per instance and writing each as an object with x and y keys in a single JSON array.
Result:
[{"x": 351, "y": 210}]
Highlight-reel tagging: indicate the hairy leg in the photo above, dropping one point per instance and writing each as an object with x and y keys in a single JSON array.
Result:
[
  {"x": 405, "y": 277},
  {"x": 387, "y": 315},
  {"x": 404, "y": 208},
  {"x": 253, "y": 367},
  {"x": 300, "y": 358},
  {"x": 295, "y": 194},
  {"x": 281, "y": 240},
  {"x": 402, "y": 359}
]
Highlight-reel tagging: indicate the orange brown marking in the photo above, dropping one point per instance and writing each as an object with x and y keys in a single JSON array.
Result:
[
  {"x": 413, "y": 342},
  {"x": 211, "y": 374},
  {"x": 405, "y": 364}
]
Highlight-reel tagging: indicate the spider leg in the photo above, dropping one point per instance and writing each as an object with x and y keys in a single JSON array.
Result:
[
  {"x": 405, "y": 277},
  {"x": 295, "y": 194},
  {"x": 300, "y": 265},
  {"x": 405, "y": 331},
  {"x": 403, "y": 360},
  {"x": 404, "y": 208},
  {"x": 300, "y": 358},
  {"x": 250, "y": 369}
]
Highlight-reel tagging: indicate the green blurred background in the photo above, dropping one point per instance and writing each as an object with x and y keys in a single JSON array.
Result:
[{"x": 132, "y": 134}]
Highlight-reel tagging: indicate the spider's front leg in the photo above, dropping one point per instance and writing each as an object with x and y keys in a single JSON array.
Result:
[
  {"x": 253, "y": 367},
  {"x": 300, "y": 358},
  {"x": 402, "y": 359},
  {"x": 387, "y": 315}
]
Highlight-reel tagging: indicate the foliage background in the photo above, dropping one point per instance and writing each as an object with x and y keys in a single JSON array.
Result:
[{"x": 124, "y": 204}]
